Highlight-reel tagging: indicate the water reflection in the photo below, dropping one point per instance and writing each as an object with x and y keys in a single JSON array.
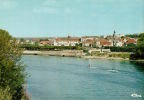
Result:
[{"x": 139, "y": 65}]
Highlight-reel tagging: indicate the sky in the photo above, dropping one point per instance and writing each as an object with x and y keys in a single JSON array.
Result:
[{"x": 54, "y": 18}]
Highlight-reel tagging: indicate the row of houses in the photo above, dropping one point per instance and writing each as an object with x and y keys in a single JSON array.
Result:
[{"x": 86, "y": 41}]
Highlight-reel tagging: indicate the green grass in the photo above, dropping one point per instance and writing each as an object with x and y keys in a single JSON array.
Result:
[{"x": 120, "y": 55}]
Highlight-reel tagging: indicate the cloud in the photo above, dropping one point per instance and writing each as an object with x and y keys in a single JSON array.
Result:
[{"x": 7, "y": 4}]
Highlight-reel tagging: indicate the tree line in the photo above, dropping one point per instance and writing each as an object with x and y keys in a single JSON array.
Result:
[
  {"x": 139, "y": 50},
  {"x": 48, "y": 47}
]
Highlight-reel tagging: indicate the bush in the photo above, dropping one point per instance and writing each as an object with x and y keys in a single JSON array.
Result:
[
  {"x": 121, "y": 55},
  {"x": 139, "y": 50},
  {"x": 5, "y": 94},
  {"x": 122, "y": 49},
  {"x": 11, "y": 69},
  {"x": 47, "y": 47}
]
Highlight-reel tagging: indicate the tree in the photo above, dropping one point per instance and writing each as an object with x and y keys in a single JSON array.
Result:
[
  {"x": 139, "y": 53},
  {"x": 22, "y": 40},
  {"x": 140, "y": 44},
  {"x": 5, "y": 95},
  {"x": 132, "y": 35},
  {"x": 12, "y": 72},
  {"x": 141, "y": 39}
]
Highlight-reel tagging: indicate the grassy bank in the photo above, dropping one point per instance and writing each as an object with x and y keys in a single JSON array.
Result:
[{"x": 123, "y": 55}]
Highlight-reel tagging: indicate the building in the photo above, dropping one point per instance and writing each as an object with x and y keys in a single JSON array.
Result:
[
  {"x": 89, "y": 41},
  {"x": 104, "y": 42},
  {"x": 131, "y": 41},
  {"x": 67, "y": 41},
  {"x": 119, "y": 43},
  {"x": 46, "y": 42}
]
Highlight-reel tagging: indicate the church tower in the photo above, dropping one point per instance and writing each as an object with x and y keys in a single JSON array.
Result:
[
  {"x": 114, "y": 38},
  {"x": 114, "y": 34}
]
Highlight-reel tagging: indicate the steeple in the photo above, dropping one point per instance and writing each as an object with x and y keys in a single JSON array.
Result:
[
  {"x": 69, "y": 36},
  {"x": 114, "y": 34},
  {"x": 114, "y": 38},
  {"x": 114, "y": 31}
]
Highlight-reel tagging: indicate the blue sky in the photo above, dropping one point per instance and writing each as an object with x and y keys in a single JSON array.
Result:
[{"x": 40, "y": 18}]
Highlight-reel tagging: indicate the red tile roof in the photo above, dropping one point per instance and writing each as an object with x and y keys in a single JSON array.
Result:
[
  {"x": 89, "y": 41},
  {"x": 129, "y": 41},
  {"x": 46, "y": 42},
  {"x": 105, "y": 42}
]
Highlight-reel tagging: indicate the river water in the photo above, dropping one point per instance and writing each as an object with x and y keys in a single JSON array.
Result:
[{"x": 68, "y": 78}]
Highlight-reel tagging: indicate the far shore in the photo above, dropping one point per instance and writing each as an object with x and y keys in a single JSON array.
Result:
[
  {"x": 103, "y": 57},
  {"x": 74, "y": 53},
  {"x": 68, "y": 53}
]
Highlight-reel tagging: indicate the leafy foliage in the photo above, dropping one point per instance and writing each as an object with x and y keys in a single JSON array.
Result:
[
  {"x": 139, "y": 52},
  {"x": 11, "y": 69},
  {"x": 132, "y": 35},
  {"x": 131, "y": 48},
  {"x": 47, "y": 47},
  {"x": 5, "y": 94}
]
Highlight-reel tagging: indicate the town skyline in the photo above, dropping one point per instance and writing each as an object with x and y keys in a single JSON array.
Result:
[
  {"x": 94, "y": 35},
  {"x": 88, "y": 41}
]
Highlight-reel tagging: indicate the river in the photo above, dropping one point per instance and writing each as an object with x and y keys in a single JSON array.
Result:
[{"x": 69, "y": 78}]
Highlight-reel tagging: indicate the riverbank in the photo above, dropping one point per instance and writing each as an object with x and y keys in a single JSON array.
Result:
[
  {"x": 112, "y": 58},
  {"x": 72, "y": 53},
  {"x": 104, "y": 57},
  {"x": 67, "y": 53},
  {"x": 80, "y": 53}
]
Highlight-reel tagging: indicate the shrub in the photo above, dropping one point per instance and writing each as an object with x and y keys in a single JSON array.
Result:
[
  {"x": 11, "y": 69},
  {"x": 121, "y": 55},
  {"x": 122, "y": 49},
  {"x": 5, "y": 94},
  {"x": 139, "y": 50},
  {"x": 47, "y": 47}
]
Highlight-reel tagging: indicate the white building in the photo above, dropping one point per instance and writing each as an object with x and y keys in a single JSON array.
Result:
[{"x": 69, "y": 41}]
